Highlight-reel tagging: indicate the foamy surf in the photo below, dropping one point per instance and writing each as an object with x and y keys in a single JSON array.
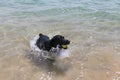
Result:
[
  {"x": 52, "y": 54},
  {"x": 33, "y": 44},
  {"x": 64, "y": 53}
]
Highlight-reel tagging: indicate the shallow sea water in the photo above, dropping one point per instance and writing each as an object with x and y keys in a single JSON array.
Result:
[{"x": 93, "y": 26}]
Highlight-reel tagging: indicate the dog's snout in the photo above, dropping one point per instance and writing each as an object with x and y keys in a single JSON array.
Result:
[{"x": 67, "y": 42}]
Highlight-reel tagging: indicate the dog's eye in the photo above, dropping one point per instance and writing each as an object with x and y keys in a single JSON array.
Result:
[{"x": 62, "y": 37}]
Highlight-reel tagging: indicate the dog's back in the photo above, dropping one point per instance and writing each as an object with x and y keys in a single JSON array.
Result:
[{"x": 42, "y": 40}]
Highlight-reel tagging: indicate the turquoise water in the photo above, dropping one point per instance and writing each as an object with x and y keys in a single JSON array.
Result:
[
  {"x": 92, "y": 26},
  {"x": 62, "y": 9}
]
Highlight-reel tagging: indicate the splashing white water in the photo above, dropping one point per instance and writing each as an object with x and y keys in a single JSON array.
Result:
[
  {"x": 64, "y": 53},
  {"x": 54, "y": 53},
  {"x": 33, "y": 44}
]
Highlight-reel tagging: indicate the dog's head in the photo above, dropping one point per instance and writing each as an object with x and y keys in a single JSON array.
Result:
[{"x": 59, "y": 40}]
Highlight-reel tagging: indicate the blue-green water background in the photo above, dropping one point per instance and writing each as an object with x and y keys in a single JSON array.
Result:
[{"x": 80, "y": 10}]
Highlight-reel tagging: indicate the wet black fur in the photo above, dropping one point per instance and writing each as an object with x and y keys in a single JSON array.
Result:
[{"x": 45, "y": 43}]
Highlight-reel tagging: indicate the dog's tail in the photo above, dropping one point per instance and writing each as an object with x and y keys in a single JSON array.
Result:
[{"x": 40, "y": 34}]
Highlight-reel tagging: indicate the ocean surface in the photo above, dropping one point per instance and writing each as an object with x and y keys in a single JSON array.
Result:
[{"x": 92, "y": 26}]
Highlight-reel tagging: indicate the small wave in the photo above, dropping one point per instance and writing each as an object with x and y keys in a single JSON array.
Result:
[{"x": 54, "y": 53}]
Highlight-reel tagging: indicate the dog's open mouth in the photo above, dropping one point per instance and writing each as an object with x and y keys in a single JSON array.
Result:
[{"x": 64, "y": 46}]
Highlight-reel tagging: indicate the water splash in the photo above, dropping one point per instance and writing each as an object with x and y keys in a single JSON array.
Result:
[{"x": 52, "y": 54}]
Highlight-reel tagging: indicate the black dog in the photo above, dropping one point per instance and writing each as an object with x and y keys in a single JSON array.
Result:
[{"x": 45, "y": 43}]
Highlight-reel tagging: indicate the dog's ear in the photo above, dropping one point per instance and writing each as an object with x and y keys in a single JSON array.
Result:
[{"x": 40, "y": 34}]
